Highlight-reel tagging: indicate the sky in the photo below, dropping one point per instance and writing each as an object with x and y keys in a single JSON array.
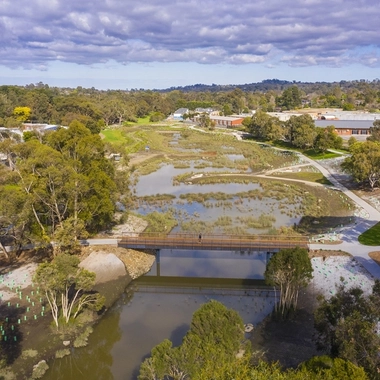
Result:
[{"x": 157, "y": 44}]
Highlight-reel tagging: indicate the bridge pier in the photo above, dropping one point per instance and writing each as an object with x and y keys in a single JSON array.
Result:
[{"x": 158, "y": 262}]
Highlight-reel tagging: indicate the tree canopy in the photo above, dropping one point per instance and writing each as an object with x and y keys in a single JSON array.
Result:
[
  {"x": 216, "y": 335},
  {"x": 364, "y": 162},
  {"x": 348, "y": 323},
  {"x": 67, "y": 288},
  {"x": 65, "y": 176},
  {"x": 265, "y": 127},
  {"x": 288, "y": 270},
  {"x": 301, "y": 131},
  {"x": 210, "y": 351}
]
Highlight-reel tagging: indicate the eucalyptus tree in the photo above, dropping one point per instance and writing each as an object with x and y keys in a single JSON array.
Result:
[
  {"x": 327, "y": 138},
  {"x": 216, "y": 335},
  {"x": 67, "y": 288},
  {"x": 289, "y": 270},
  {"x": 68, "y": 177},
  {"x": 375, "y": 131},
  {"x": 92, "y": 186},
  {"x": 301, "y": 131},
  {"x": 265, "y": 127},
  {"x": 347, "y": 324},
  {"x": 364, "y": 162}
]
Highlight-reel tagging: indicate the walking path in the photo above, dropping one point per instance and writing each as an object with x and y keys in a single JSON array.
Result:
[{"x": 351, "y": 233}]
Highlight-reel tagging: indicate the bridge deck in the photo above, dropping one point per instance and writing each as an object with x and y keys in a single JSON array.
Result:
[{"x": 212, "y": 242}]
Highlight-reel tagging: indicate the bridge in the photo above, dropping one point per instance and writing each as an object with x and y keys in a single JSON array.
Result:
[{"x": 156, "y": 241}]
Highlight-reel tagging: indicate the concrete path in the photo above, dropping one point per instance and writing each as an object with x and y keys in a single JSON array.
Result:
[{"x": 351, "y": 233}]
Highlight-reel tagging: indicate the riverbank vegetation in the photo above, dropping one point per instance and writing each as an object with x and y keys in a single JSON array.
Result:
[
  {"x": 215, "y": 348},
  {"x": 289, "y": 271},
  {"x": 67, "y": 288},
  {"x": 347, "y": 324}
]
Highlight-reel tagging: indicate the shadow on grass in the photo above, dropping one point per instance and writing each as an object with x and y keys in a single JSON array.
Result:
[
  {"x": 320, "y": 225},
  {"x": 371, "y": 237}
]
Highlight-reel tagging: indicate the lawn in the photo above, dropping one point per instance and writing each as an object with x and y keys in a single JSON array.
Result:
[
  {"x": 314, "y": 154},
  {"x": 306, "y": 176},
  {"x": 371, "y": 236},
  {"x": 113, "y": 135}
]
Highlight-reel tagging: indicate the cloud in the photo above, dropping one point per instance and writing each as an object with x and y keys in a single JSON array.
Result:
[{"x": 295, "y": 32}]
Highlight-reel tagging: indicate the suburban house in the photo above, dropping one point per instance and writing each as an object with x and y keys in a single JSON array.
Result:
[
  {"x": 178, "y": 115},
  {"x": 208, "y": 111}
]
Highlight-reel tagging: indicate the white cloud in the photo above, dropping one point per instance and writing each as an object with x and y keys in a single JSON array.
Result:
[{"x": 297, "y": 32}]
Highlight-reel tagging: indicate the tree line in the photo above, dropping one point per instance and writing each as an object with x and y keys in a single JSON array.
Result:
[
  {"x": 95, "y": 109},
  {"x": 299, "y": 131},
  {"x": 60, "y": 188},
  {"x": 362, "y": 163}
]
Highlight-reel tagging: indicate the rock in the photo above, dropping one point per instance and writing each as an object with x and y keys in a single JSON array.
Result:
[
  {"x": 137, "y": 263},
  {"x": 66, "y": 343},
  {"x": 107, "y": 266}
]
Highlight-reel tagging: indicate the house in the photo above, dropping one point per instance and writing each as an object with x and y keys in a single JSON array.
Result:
[
  {"x": 208, "y": 111},
  {"x": 178, "y": 115},
  {"x": 39, "y": 127}
]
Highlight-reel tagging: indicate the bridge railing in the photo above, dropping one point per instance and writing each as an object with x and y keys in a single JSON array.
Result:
[
  {"x": 214, "y": 236},
  {"x": 210, "y": 241}
]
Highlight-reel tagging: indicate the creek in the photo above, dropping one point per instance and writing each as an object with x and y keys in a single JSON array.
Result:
[{"x": 160, "y": 305}]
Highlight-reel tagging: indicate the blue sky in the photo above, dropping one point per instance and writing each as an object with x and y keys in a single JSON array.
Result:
[{"x": 123, "y": 44}]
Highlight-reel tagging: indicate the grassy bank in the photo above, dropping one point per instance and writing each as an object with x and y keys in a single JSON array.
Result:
[{"x": 371, "y": 237}]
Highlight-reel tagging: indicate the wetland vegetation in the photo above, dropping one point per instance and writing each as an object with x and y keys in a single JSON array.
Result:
[{"x": 211, "y": 182}]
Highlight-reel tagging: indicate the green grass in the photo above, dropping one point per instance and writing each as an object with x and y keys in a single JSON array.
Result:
[
  {"x": 314, "y": 154},
  {"x": 306, "y": 176},
  {"x": 318, "y": 155},
  {"x": 113, "y": 135},
  {"x": 143, "y": 120},
  {"x": 371, "y": 236}
]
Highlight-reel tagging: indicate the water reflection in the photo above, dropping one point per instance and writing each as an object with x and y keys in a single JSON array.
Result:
[
  {"x": 151, "y": 310},
  {"x": 161, "y": 182},
  {"x": 211, "y": 264},
  {"x": 94, "y": 361}
]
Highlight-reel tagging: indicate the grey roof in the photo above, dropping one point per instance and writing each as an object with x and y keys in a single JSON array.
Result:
[
  {"x": 350, "y": 124},
  {"x": 181, "y": 111}
]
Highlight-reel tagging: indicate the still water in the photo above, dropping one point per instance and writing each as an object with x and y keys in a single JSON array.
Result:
[{"x": 160, "y": 305}]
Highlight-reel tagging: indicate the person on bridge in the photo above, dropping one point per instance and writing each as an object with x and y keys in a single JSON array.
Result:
[{"x": 200, "y": 238}]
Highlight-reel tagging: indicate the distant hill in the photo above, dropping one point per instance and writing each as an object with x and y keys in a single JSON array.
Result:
[{"x": 267, "y": 85}]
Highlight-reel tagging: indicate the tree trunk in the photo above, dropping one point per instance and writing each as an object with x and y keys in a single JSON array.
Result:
[{"x": 2, "y": 247}]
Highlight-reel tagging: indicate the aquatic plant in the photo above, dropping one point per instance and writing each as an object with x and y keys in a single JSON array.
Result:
[{"x": 81, "y": 340}]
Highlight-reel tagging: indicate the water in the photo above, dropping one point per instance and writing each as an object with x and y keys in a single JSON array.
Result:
[
  {"x": 163, "y": 182},
  {"x": 210, "y": 210},
  {"x": 160, "y": 305}
]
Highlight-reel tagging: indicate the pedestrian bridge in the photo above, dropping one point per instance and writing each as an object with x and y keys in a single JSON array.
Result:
[{"x": 156, "y": 241}]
